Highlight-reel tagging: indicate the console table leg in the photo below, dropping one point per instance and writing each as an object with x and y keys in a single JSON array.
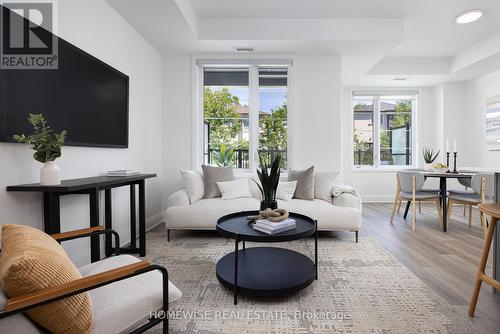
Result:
[
  {"x": 51, "y": 213},
  {"x": 108, "y": 221},
  {"x": 236, "y": 271},
  {"x": 94, "y": 221},
  {"x": 142, "y": 218},
  {"x": 133, "y": 235},
  {"x": 316, "y": 249}
]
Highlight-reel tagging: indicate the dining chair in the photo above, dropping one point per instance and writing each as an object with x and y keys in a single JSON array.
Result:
[
  {"x": 482, "y": 185},
  {"x": 466, "y": 182},
  {"x": 410, "y": 187},
  {"x": 423, "y": 189}
]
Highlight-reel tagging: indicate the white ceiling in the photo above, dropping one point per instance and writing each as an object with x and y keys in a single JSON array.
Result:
[{"x": 378, "y": 39}]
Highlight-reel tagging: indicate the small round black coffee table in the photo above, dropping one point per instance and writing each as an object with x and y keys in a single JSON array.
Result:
[{"x": 266, "y": 271}]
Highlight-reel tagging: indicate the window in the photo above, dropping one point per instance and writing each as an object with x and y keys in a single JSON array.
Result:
[
  {"x": 383, "y": 129},
  {"x": 245, "y": 115}
]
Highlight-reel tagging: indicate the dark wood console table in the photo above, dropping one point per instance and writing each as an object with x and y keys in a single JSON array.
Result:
[{"x": 91, "y": 186}]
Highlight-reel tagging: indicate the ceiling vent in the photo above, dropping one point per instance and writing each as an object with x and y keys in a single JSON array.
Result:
[{"x": 244, "y": 49}]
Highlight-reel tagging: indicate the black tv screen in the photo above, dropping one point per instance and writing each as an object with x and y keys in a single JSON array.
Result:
[{"x": 84, "y": 96}]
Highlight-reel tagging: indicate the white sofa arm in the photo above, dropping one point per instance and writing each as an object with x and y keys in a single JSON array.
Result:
[
  {"x": 348, "y": 200},
  {"x": 179, "y": 198}
]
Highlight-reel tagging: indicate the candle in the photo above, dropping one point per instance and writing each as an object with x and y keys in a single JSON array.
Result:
[
  {"x": 447, "y": 146},
  {"x": 454, "y": 145}
]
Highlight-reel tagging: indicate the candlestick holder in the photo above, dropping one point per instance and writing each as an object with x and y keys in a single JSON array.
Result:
[
  {"x": 448, "y": 162},
  {"x": 455, "y": 163}
]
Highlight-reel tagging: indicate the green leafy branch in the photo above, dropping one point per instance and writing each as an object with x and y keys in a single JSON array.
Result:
[{"x": 47, "y": 146}]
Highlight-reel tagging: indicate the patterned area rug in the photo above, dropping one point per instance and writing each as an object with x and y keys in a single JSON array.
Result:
[{"x": 361, "y": 289}]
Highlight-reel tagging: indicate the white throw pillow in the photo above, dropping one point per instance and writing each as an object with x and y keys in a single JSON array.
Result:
[
  {"x": 286, "y": 190},
  {"x": 235, "y": 189},
  {"x": 193, "y": 182},
  {"x": 323, "y": 184}
]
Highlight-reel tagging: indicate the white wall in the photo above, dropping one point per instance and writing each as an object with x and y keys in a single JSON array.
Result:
[
  {"x": 315, "y": 112},
  {"x": 95, "y": 27},
  {"x": 178, "y": 119},
  {"x": 476, "y": 92}
]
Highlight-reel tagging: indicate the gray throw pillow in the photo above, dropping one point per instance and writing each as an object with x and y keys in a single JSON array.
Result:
[
  {"x": 212, "y": 175},
  {"x": 305, "y": 183}
]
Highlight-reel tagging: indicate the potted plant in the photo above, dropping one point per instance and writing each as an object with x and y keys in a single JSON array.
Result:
[
  {"x": 47, "y": 147},
  {"x": 269, "y": 177},
  {"x": 225, "y": 156},
  {"x": 429, "y": 158}
]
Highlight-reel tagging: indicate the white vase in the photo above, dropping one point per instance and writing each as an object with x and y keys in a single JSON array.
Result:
[
  {"x": 428, "y": 167},
  {"x": 50, "y": 174}
]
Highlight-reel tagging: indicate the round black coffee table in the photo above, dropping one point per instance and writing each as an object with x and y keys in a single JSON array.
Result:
[{"x": 266, "y": 271}]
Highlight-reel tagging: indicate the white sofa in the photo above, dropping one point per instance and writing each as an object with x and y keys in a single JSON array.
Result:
[{"x": 340, "y": 213}]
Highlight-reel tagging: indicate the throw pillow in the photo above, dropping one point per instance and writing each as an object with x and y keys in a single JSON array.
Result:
[
  {"x": 32, "y": 260},
  {"x": 286, "y": 190},
  {"x": 305, "y": 183},
  {"x": 193, "y": 182},
  {"x": 235, "y": 189},
  {"x": 212, "y": 175},
  {"x": 323, "y": 184}
]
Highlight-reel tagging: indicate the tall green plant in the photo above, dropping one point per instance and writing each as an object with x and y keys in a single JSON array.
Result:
[
  {"x": 225, "y": 156},
  {"x": 429, "y": 156},
  {"x": 47, "y": 146},
  {"x": 269, "y": 177}
]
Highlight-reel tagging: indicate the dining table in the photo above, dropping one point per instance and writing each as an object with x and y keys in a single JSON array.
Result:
[{"x": 443, "y": 192}]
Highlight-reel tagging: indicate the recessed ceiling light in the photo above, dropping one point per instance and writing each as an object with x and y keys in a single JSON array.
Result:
[
  {"x": 469, "y": 16},
  {"x": 244, "y": 49}
]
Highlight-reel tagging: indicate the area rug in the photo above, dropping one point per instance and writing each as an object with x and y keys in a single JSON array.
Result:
[{"x": 361, "y": 289}]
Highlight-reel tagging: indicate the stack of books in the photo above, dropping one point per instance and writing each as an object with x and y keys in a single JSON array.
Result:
[
  {"x": 122, "y": 172},
  {"x": 269, "y": 227}
]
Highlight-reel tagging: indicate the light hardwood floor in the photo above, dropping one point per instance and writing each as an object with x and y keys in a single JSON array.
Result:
[{"x": 446, "y": 262}]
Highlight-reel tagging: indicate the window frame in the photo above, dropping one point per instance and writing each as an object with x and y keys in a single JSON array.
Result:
[
  {"x": 376, "y": 129},
  {"x": 198, "y": 103}
]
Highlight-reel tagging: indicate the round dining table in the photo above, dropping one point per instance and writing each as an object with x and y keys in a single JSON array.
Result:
[{"x": 443, "y": 192}]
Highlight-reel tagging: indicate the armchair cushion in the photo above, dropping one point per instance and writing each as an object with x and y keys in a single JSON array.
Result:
[
  {"x": 17, "y": 323},
  {"x": 32, "y": 260},
  {"x": 125, "y": 305}
]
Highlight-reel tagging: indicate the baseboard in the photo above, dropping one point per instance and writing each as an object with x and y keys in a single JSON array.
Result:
[{"x": 377, "y": 199}]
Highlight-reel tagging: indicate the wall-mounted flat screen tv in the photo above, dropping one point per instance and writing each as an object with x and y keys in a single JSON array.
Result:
[{"x": 84, "y": 96}]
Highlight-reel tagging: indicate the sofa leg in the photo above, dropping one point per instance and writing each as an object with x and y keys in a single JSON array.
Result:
[
  {"x": 357, "y": 236},
  {"x": 168, "y": 235}
]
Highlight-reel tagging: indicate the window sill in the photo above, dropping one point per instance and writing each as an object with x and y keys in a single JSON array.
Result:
[{"x": 379, "y": 169}]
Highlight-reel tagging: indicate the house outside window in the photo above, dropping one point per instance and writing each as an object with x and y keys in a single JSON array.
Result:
[
  {"x": 245, "y": 114},
  {"x": 383, "y": 129}
]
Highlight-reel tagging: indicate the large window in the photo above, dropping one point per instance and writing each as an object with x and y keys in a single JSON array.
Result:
[
  {"x": 383, "y": 127},
  {"x": 245, "y": 115}
]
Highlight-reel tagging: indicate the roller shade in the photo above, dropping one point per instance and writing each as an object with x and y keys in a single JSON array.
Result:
[
  {"x": 273, "y": 76},
  {"x": 385, "y": 92},
  {"x": 225, "y": 76}
]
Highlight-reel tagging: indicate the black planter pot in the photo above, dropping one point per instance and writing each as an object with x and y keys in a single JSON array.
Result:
[{"x": 268, "y": 204}]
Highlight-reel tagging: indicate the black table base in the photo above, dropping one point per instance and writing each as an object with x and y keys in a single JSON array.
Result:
[
  {"x": 266, "y": 271},
  {"x": 92, "y": 186}
]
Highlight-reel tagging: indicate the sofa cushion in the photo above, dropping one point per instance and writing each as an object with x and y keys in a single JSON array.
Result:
[
  {"x": 193, "y": 182},
  {"x": 126, "y": 304},
  {"x": 203, "y": 215},
  {"x": 212, "y": 175},
  {"x": 305, "y": 183},
  {"x": 31, "y": 261},
  {"x": 329, "y": 217}
]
